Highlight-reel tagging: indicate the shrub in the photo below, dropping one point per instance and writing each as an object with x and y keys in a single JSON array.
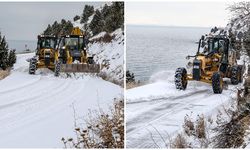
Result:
[
  {"x": 200, "y": 128},
  {"x": 188, "y": 125},
  {"x": 106, "y": 130},
  {"x": 179, "y": 142}
]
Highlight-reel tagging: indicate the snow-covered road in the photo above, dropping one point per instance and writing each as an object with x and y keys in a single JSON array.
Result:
[
  {"x": 37, "y": 110},
  {"x": 155, "y": 112}
]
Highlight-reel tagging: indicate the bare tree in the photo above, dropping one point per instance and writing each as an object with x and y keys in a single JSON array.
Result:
[{"x": 241, "y": 10}]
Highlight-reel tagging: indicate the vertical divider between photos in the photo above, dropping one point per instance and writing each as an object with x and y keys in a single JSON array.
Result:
[{"x": 124, "y": 69}]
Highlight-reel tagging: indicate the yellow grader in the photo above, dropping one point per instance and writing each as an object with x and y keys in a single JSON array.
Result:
[
  {"x": 217, "y": 61},
  {"x": 69, "y": 55}
]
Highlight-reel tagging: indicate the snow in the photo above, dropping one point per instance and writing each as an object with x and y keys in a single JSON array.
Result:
[
  {"x": 112, "y": 52},
  {"x": 37, "y": 110},
  {"x": 159, "y": 108}
]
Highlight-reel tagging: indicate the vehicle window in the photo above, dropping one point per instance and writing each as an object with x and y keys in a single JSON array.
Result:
[
  {"x": 48, "y": 43},
  {"x": 71, "y": 41}
]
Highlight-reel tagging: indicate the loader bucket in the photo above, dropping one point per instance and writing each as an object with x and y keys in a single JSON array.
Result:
[{"x": 85, "y": 68}]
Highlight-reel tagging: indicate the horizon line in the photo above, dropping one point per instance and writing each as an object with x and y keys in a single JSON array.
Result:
[{"x": 171, "y": 25}]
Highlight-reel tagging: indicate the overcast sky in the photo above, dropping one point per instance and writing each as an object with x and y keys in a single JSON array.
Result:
[
  {"x": 181, "y": 13},
  {"x": 25, "y": 20}
]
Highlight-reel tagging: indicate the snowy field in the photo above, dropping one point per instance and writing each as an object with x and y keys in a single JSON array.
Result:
[
  {"x": 155, "y": 112},
  {"x": 36, "y": 111}
]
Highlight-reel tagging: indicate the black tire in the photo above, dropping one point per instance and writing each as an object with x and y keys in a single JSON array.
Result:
[
  {"x": 91, "y": 60},
  {"x": 32, "y": 66},
  {"x": 217, "y": 83},
  {"x": 241, "y": 73},
  {"x": 57, "y": 68},
  {"x": 181, "y": 78},
  {"x": 235, "y": 75}
]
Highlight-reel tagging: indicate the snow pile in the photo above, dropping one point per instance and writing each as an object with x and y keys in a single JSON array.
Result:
[{"x": 111, "y": 54}]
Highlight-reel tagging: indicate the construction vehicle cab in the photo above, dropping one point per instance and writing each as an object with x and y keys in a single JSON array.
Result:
[
  {"x": 215, "y": 62},
  {"x": 45, "y": 53},
  {"x": 73, "y": 56}
]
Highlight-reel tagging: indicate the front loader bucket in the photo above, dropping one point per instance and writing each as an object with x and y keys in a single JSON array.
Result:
[{"x": 85, "y": 68}]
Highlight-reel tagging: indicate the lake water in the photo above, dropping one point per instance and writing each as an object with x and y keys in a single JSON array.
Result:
[
  {"x": 19, "y": 45},
  {"x": 151, "y": 49}
]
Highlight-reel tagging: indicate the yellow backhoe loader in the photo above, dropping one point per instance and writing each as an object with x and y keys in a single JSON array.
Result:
[
  {"x": 45, "y": 53},
  {"x": 215, "y": 62},
  {"x": 71, "y": 54}
]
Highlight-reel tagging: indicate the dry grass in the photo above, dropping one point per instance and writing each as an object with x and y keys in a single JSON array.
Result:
[
  {"x": 109, "y": 78},
  {"x": 188, "y": 125},
  {"x": 231, "y": 134},
  {"x": 200, "y": 128},
  {"x": 179, "y": 142},
  {"x": 133, "y": 85},
  {"x": 107, "y": 38},
  {"x": 4, "y": 73},
  {"x": 104, "y": 130}
]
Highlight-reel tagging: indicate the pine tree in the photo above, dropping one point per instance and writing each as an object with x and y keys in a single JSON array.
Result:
[
  {"x": 68, "y": 27},
  {"x": 12, "y": 58},
  {"x": 130, "y": 78},
  {"x": 3, "y": 53},
  {"x": 87, "y": 12},
  {"x": 48, "y": 30},
  {"x": 76, "y": 18},
  {"x": 97, "y": 23},
  {"x": 246, "y": 41}
]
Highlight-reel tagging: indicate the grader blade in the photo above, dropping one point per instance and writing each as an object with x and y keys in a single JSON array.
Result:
[{"x": 84, "y": 68}]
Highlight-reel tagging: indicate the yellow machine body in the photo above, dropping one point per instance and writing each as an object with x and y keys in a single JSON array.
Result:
[
  {"x": 46, "y": 51},
  {"x": 73, "y": 54}
]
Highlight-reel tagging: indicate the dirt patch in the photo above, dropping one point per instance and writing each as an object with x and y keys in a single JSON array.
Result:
[
  {"x": 133, "y": 85},
  {"x": 4, "y": 73}
]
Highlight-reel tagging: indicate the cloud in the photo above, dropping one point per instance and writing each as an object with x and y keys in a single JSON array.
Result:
[
  {"x": 25, "y": 20},
  {"x": 204, "y": 14}
]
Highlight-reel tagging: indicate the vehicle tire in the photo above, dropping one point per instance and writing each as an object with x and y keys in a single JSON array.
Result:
[
  {"x": 181, "y": 78},
  {"x": 241, "y": 73},
  {"x": 57, "y": 68},
  {"x": 32, "y": 66},
  {"x": 91, "y": 60},
  {"x": 217, "y": 83},
  {"x": 235, "y": 75}
]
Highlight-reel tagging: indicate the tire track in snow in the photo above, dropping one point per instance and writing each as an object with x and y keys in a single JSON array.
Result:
[
  {"x": 167, "y": 97},
  {"x": 19, "y": 111},
  {"x": 162, "y": 113},
  {"x": 164, "y": 108},
  {"x": 40, "y": 93},
  {"x": 21, "y": 86}
]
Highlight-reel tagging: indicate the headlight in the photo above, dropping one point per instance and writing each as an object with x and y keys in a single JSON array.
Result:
[{"x": 215, "y": 59}]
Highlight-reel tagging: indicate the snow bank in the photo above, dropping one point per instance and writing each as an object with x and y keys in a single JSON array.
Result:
[{"x": 111, "y": 53}]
